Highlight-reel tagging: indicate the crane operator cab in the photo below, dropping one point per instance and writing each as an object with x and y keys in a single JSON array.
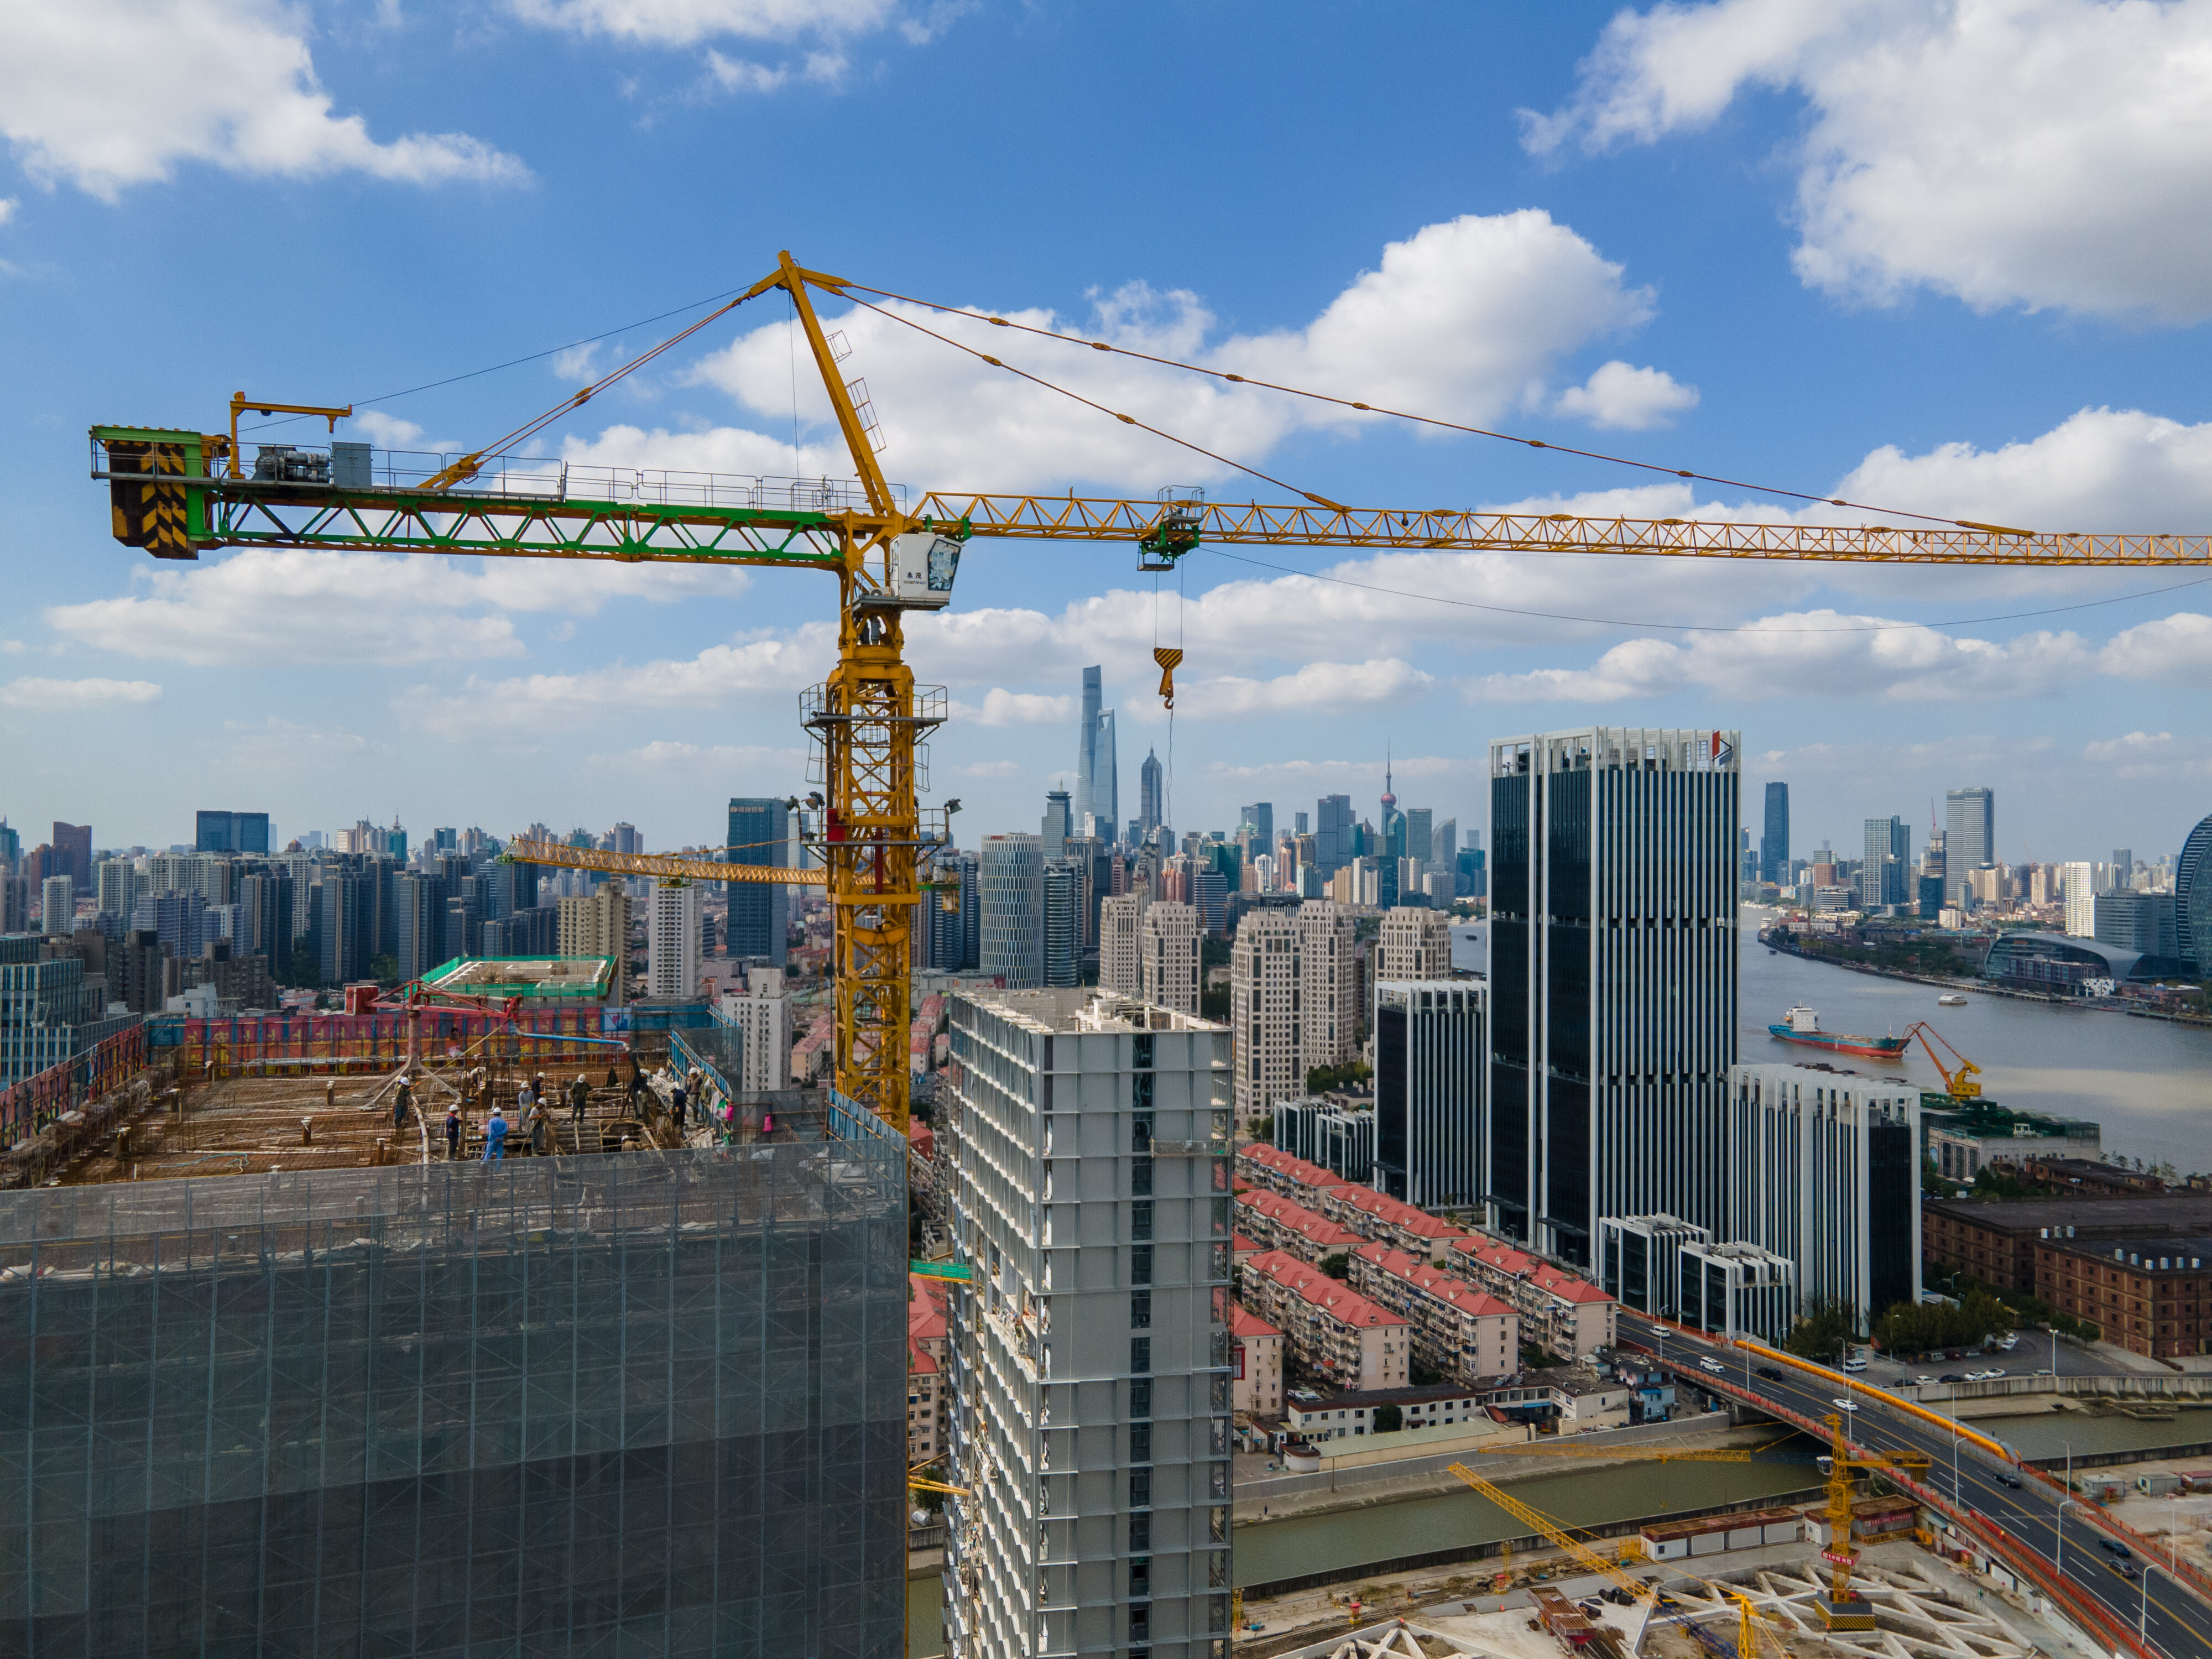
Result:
[{"x": 923, "y": 564}]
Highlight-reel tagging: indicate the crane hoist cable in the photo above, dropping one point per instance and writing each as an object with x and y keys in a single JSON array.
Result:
[{"x": 1404, "y": 415}]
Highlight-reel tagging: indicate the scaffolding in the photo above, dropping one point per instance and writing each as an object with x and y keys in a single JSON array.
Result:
[{"x": 652, "y": 1402}]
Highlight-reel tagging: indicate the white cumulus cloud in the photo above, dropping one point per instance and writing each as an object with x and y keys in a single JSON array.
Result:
[
  {"x": 265, "y": 605},
  {"x": 1459, "y": 320},
  {"x": 2174, "y": 650},
  {"x": 1621, "y": 397},
  {"x": 106, "y": 94},
  {"x": 2034, "y": 153},
  {"x": 53, "y": 696},
  {"x": 685, "y": 22},
  {"x": 1809, "y": 655}
]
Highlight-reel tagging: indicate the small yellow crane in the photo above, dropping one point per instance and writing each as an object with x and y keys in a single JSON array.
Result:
[
  {"x": 1842, "y": 1609},
  {"x": 1959, "y": 1076}
]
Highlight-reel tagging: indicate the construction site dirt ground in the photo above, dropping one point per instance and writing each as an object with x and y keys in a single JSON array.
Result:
[
  {"x": 1457, "y": 1600},
  {"x": 251, "y": 1125}
]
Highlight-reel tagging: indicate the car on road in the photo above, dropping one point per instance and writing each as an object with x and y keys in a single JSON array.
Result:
[
  {"x": 1922, "y": 1381},
  {"x": 1950, "y": 1377},
  {"x": 1772, "y": 1373},
  {"x": 1993, "y": 1373},
  {"x": 1713, "y": 1365},
  {"x": 2125, "y": 1571},
  {"x": 2011, "y": 1480},
  {"x": 1855, "y": 1364},
  {"x": 2116, "y": 1547},
  {"x": 2046, "y": 1373},
  {"x": 1842, "y": 1405}
]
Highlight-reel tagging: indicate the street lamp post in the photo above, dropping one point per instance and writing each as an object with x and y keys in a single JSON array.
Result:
[{"x": 2058, "y": 1555}]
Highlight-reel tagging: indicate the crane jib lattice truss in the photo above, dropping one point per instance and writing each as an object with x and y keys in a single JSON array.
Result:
[{"x": 175, "y": 492}]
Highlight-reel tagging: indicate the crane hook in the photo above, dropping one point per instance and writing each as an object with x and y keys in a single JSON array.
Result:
[{"x": 1169, "y": 658}]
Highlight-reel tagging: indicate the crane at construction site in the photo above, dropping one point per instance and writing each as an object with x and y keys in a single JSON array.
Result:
[
  {"x": 176, "y": 492},
  {"x": 1843, "y": 1608},
  {"x": 1959, "y": 1076}
]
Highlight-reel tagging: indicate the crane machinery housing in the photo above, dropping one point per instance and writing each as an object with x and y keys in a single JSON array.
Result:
[{"x": 177, "y": 492}]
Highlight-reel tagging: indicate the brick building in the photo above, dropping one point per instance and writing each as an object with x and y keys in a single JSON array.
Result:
[
  {"x": 2150, "y": 1295},
  {"x": 1995, "y": 1241}
]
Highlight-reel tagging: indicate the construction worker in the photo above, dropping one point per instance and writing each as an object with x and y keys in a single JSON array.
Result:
[
  {"x": 534, "y": 1125},
  {"x": 523, "y": 1100},
  {"x": 453, "y": 1130},
  {"x": 401, "y": 1103},
  {"x": 637, "y": 1092},
  {"x": 330, "y": 1095},
  {"x": 537, "y": 1088},
  {"x": 496, "y": 1138},
  {"x": 580, "y": 1099},
  {"x": 676, "y": 1105}
]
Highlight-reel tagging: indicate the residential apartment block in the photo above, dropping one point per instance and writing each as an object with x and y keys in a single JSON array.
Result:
[
  {"x": 1338, "y": 1336},
  {"x": 1463, "y": 1332}
]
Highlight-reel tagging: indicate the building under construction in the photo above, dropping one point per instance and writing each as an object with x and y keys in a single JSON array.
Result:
[{"x": 645, "y": 1400}]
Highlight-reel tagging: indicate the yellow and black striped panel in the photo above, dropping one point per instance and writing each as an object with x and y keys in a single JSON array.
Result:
[{"x": 148, "y": 511}]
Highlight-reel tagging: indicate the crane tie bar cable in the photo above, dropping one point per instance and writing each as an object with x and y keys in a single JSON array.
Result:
[{"x": 1397, "y": 414}]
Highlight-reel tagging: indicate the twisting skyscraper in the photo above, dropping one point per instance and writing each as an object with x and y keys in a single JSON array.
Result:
[
  {"x": 1152, "y": 811},
  {"x": 1097, "y": 790}
]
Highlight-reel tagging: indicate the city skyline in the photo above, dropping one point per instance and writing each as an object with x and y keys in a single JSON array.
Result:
[{"x": 1554, "y": 280}]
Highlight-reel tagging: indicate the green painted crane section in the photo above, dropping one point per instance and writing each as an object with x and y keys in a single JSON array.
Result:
[{"x": 170, "y": 497}]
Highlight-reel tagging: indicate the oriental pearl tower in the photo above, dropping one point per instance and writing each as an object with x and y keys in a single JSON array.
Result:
[{"x": 1389, "y": 800}]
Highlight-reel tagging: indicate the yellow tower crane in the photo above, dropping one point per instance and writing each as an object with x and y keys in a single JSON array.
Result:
[
  {"x": 1841, "y": 1608},
  {"x": 178, "y": 491},
  {"x": 1536, "y": 1521}
]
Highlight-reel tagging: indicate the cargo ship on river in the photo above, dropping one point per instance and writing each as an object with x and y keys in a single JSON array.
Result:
[{"x": 1801, "y": 1025}]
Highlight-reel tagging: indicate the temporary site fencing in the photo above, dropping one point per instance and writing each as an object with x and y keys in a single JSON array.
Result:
[
  {"x": 41, "y": 1099},
  {"x": 650, "y": 1403}
]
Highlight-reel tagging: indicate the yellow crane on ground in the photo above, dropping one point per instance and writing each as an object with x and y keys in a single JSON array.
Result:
[
  {"x": 1536, "y": 1521},
  {"x": 1840, "y": 1609},
  {"x": 176, "y": 492}
]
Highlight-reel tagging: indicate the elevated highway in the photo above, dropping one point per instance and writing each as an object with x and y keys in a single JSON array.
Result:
[{"x": 2058, "y": 1543}]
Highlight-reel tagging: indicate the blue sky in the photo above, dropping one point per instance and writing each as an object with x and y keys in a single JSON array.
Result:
[{"x": 1945, "y": 258}]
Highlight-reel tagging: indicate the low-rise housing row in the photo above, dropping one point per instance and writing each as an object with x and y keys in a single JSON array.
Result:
[
  {"x": 1463, "y": 1332},
  {"x": 1561, "y": 1313},
  {"x": 1337, "y": 1336},
  {"x": 1391, "y": 1221},
  {"x": 1256, "y": 1370},
  {"x": 1276, "y": 1223}
]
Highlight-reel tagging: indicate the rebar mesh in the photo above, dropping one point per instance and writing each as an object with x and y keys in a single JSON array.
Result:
[{"x": 646, "y": 1404}]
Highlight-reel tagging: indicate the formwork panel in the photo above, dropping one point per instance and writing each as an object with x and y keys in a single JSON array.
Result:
[{"x": 603, "y": 1405}]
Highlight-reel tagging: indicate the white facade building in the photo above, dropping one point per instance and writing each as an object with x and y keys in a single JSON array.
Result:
[
  {"x": 1329, "y": 983},
  {"x": 58, "y": 905},
  {"x": 1121, "y": 971},
  {"x": 763, "y": 1016},
  {"x": 1168, "y": 955},
  {"x": 1415, "y": 943},
  {"x": 1091, "y": 1352},
  {"x": 2081, "y": 900},
  {"x": 672, "y": 953},
  {"x": 1264, "y": 988},
  {"x": 1011, "y": 872},
  {"x": 1824, "y": 1171}
]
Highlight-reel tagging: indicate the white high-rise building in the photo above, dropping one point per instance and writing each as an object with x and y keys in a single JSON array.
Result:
[
  {"x": 1264, "y": 990},
  {"x": 2080, "y": 900},
  {"x": 1415, "y": 943},
  {"x": 1121, "y": 971},
  {"x": 1294, "y": 999},
  {"x": 763, "y": 1016},
  {"x": 1168, "y": 953},
  {"x": 58, "y": 905},
  {"x": 1329, "y": 987},
  {"x": 1824, "y": 1169},
  {"x": 673, "y": 940},
  {"x": 1011, "y": 874},
  {"x": 1089, "y": 1355},
  {"x": 597, "y": 924}
]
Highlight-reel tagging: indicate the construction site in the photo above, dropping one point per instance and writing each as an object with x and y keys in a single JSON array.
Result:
[{"x": 636, "y": 1371}]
